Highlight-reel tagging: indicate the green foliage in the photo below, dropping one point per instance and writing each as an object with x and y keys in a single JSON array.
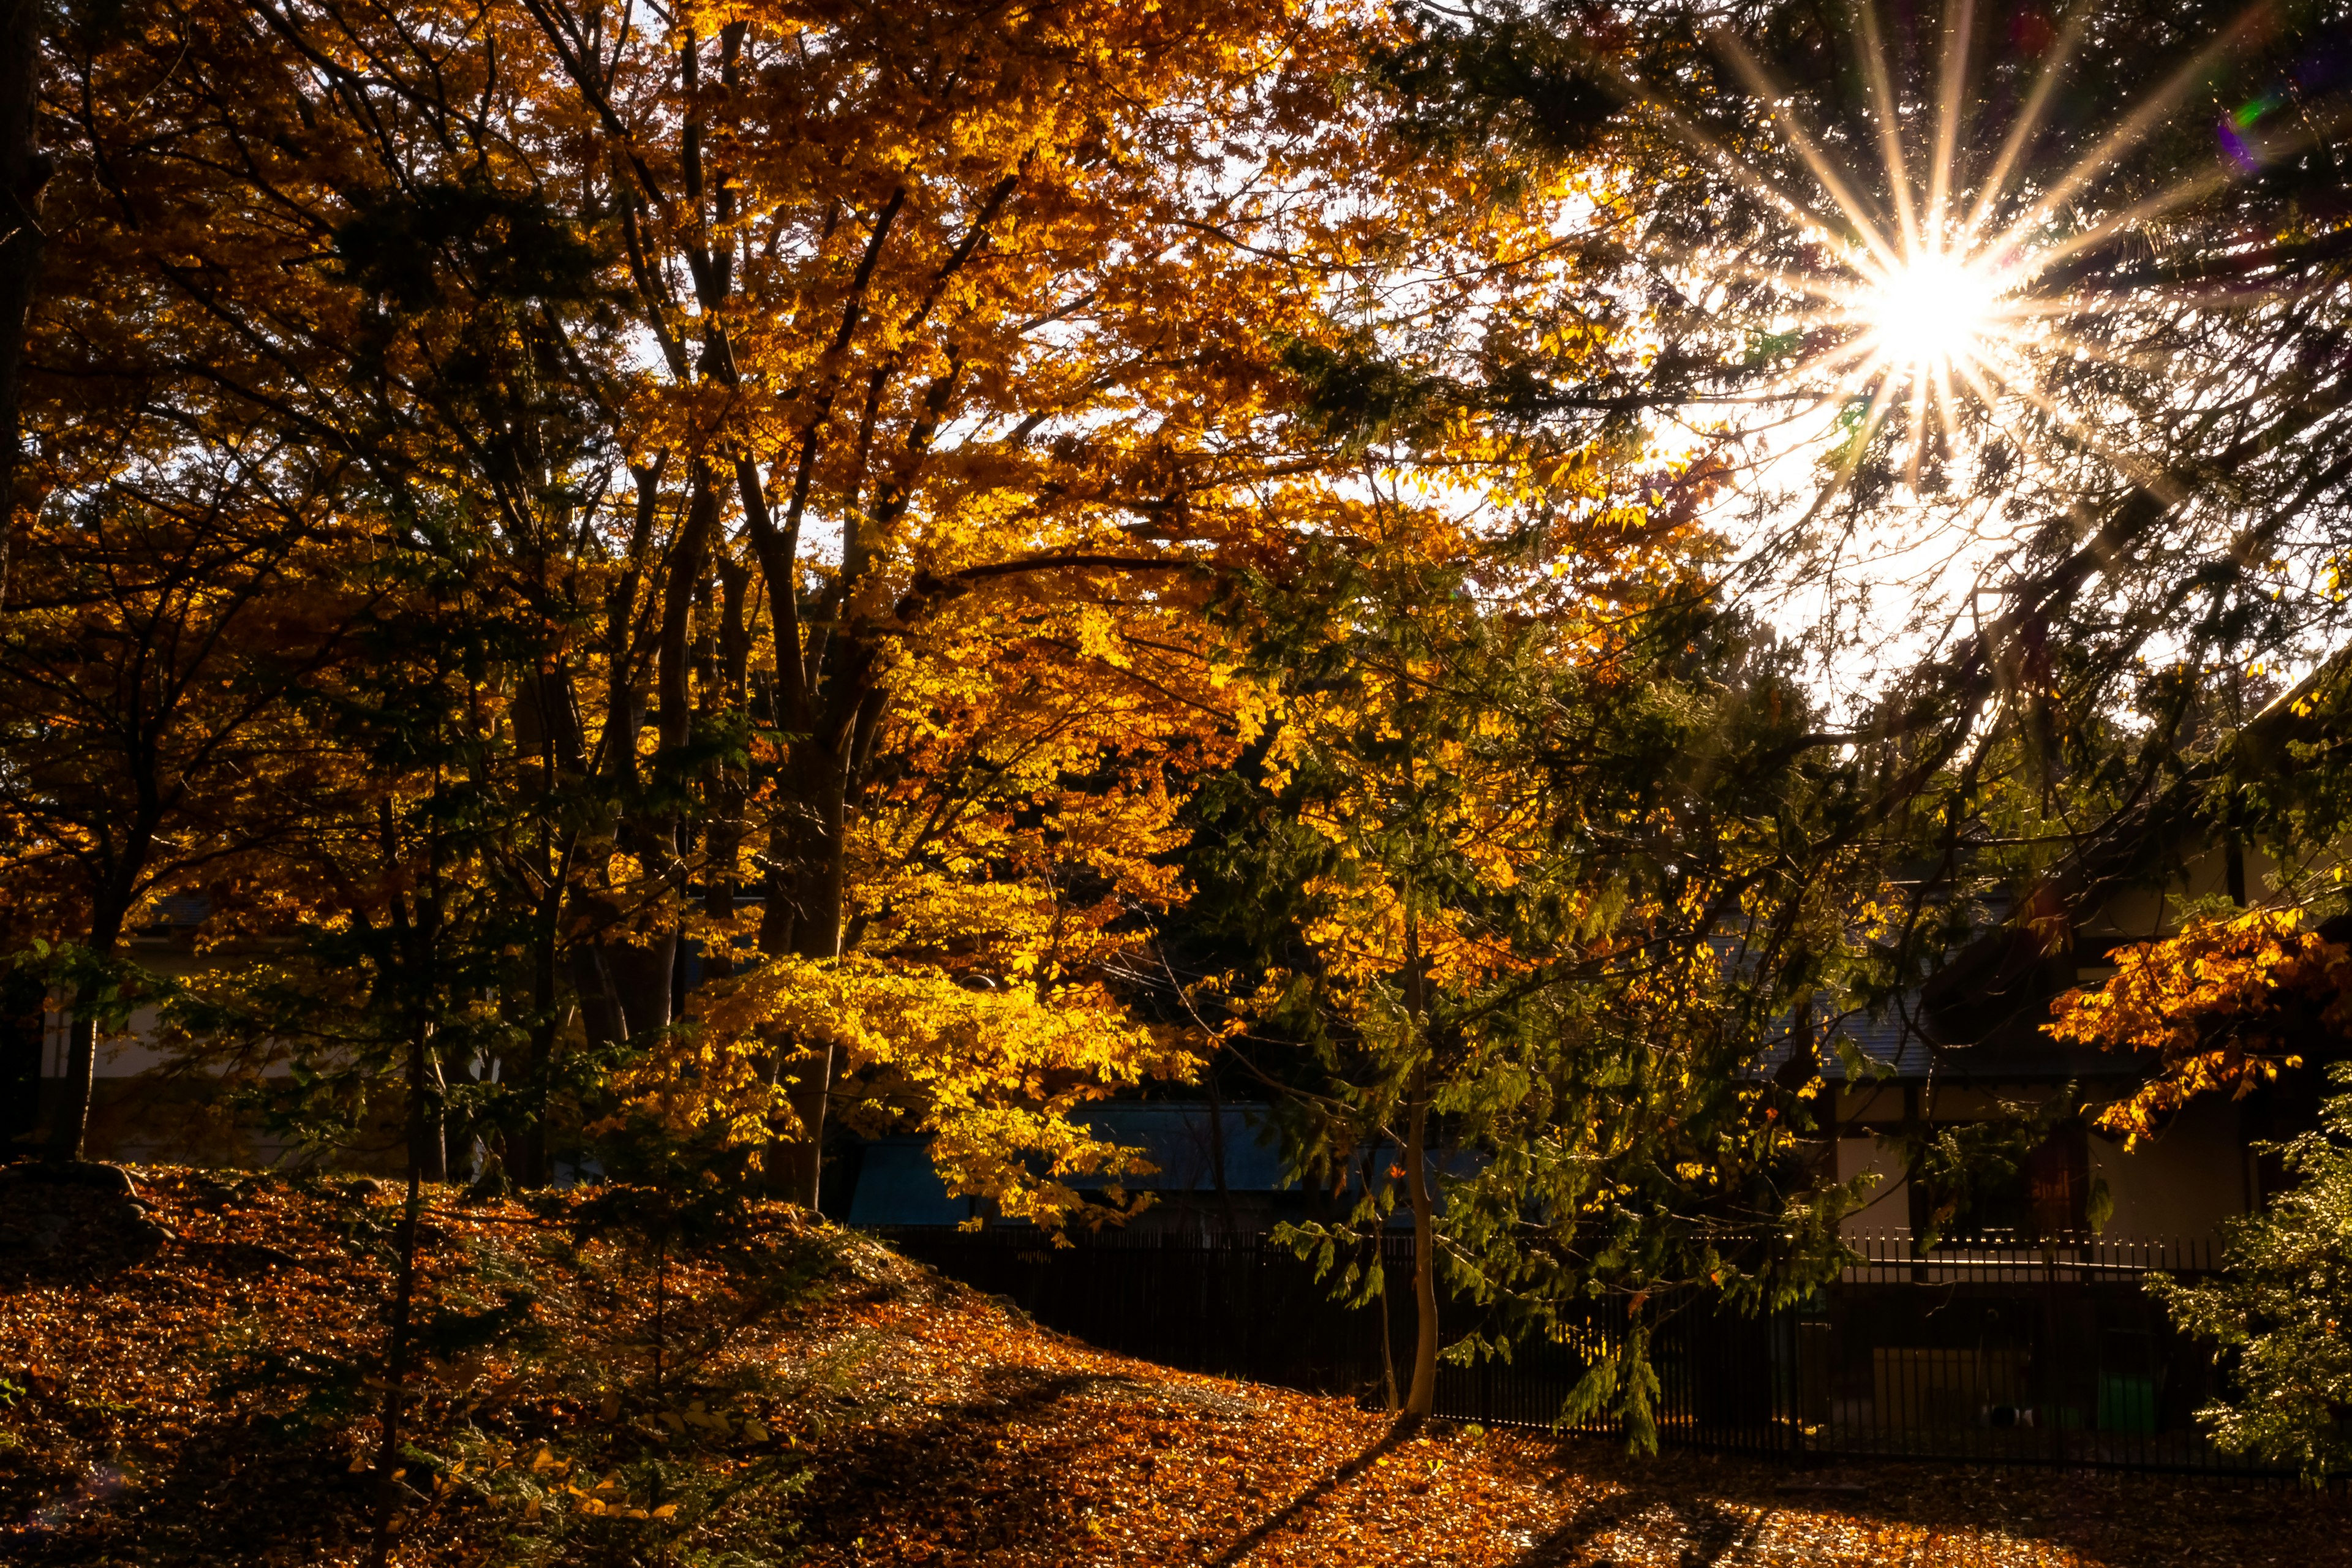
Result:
[
  {"x": 107, "y": 987},
  {"x": 1492, "y": 873},
  {"x": 1956, "y": 1164},
  {"x": 2281, "y": 1309},
  {"x": 1523, "y": 81},
  {"x": 1620, "y": 1382},
  {"x": 506, "y": 245}
]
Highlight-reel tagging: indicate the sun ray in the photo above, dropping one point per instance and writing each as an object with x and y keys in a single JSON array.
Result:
[
  {"x": 1948, "y": 116},
  {"x": 1865, "y": 228},
  {"x": 1945, "y": 399},
  {"x": 2171, "y": 199},
  {"x": 2161, "y": 485},
  {"x": 2028, "y": 121},
  {"x": 2135, "y": 128},
  {"x": 1918, "y": 431},
  {"x": 1726, "y": 162},
  {"x": 1857, "y": 444},
  {"x": 1934, "y": 304},
  {"x": 2068, "y": 342},
  {"x": 1890, "y": 133}
]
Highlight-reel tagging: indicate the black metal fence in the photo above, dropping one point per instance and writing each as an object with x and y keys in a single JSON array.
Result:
[{"x": 1991, "y": 1349}]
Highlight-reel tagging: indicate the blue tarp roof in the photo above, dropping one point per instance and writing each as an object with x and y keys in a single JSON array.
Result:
[{"x": 896, "y": 1186}]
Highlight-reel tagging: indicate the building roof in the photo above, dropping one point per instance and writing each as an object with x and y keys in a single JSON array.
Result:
[
  {"x": 1909, "y": 1046},
  {"x": 896, "y": 1183}
]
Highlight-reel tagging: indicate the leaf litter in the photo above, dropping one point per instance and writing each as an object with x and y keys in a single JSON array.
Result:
[{"x": 790, "y": 1393}]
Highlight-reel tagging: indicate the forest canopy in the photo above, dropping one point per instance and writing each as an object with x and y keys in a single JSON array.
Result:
[{"x": 675, "y": 580}]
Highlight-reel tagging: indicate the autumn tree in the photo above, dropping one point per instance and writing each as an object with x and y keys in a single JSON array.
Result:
[
  {"x": 2224, "y": 1007},
  {"x": 862, "y": 404},
  {"x": 1505, "y": 876},
  {"x": 25, "y": 169},
  {"x": 161, "y": 630}
]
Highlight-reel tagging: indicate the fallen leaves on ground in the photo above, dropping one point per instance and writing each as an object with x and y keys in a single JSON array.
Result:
[{"x": 789, "y": 1394}]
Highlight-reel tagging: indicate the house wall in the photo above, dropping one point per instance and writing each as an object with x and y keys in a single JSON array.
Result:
[
  {"x": 1888, "y": 1205},
  {"x": 2183, "y": 1181},
  {"x": 2181, "y": 1184},
  {"x": 2136, "y": 914},
  {"x": 131, "y": 1051},
  {"x": 140, "y": 1115}
]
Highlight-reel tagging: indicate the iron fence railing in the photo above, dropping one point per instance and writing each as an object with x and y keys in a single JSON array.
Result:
[{"x": 1987, "y": 1349}]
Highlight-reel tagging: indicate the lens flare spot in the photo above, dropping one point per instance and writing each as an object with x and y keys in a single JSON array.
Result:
[{"x": 1929, "y": 313}]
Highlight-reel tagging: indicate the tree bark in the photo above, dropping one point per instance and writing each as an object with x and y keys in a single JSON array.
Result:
[
  {"x": 1422, "y": 1397},
  {"x": 817, "y": 927},
  {"x": 24, "y": 170},
  {"x": 69, "y": 1134},
  {"x": 433, "y": 1137},
  {"x": 646, "y": 973},
  {"x": 640, "y": 975},
  {"x": 526, "y": 1156},
  {"x": 71, "y": 1129},
  {"x": 804, "y": 1160},
  {"x": 396, "y": 1353}
]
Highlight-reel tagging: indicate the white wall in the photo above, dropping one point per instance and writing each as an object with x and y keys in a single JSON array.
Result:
[
  {"x": 1888, "y": 1204},
  {"x": 2183, "y": 1181}
]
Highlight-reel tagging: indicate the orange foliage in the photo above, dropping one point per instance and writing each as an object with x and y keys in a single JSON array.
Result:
[
  {"x": 2222, "y": 1005},
  {"x": 829, "y": 424}
]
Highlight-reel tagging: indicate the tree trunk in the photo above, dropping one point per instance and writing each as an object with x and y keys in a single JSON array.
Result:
[
  {"x": 526, "y": 1156},
  {"x": 816, "y": 932},
  {"x": 1422, "y": 1397},
  {"x": 805, "y": 1158},
  {"x": 24, "y": 170},
  {"x": 70, "y": 1132},
  {"x": 396, "y": 1354},
  {"x": 646, "y": 975},
  {"x": 642, "y": 976},
  {"x": 432, "y": 1154},
  {"x": 601, "y": 1019},
  {"x": 1388, "y": 1341},
  {"x": 1217, "y": 1152},
  {"x": 71, "y": 1127}
]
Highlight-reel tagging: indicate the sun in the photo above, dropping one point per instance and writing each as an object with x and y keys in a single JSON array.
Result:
[{"x": 1927, "y": 314}]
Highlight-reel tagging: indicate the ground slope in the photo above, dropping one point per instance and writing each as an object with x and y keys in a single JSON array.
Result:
[{"x": 642, "y": 1383}]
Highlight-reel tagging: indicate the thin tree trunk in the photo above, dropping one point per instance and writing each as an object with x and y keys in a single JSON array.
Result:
[
  {"x": 24, "y": 170},
  {"x": 1217, "y": 1152},
  {"x": 1380, "y": 1263},
  {"x": 648, "y": 974},
  {"x": 601, "y": 1017},
  {"x": 396, "y": 1356},
  {"x": 1423, "y": 1396},
  {"x": 528, "y": 1163},
  {"x": 1388, "y": 1341},
  {"x": 433, "y": 1149},
  {"x": 67, "y": 1133},
  {"x": 817, "y": 933},
  {"x": 805, "y": 1156},
  {"x": 546, "y": 715}
]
